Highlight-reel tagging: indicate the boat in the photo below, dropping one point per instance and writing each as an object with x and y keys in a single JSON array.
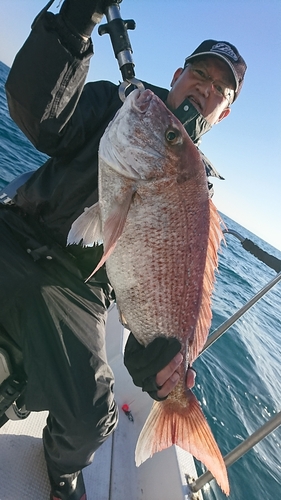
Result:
[{"x": 113, "y": 474}]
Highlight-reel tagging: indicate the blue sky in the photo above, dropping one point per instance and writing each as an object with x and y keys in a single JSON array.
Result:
[{"x": 245, "y": 147}]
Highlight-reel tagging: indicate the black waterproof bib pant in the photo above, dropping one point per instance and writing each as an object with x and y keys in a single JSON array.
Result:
[{"x": 42, "y": 304}]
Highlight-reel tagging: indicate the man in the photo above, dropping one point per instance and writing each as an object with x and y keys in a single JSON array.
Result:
[{"x": 47, "y": 311}]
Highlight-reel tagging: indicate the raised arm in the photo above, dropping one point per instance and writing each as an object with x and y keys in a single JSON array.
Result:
[{"x": 47, "y": 78}]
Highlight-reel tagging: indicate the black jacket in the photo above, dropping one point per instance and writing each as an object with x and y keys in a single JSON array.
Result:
[{"x": 63, "y": 118}]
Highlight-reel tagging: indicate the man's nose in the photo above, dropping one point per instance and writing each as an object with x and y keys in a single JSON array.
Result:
[{"x": 205, "y": 87}]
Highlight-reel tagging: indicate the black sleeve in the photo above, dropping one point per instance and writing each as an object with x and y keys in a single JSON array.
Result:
[
  {"x": 143, "y": 363},
  {"x": 45, "y": 84}
]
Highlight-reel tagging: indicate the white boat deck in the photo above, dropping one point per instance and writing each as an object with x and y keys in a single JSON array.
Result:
[{"x": 113, "y": 474}]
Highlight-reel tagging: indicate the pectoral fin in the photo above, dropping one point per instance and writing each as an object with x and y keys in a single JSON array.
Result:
[
  {"x": 113, "y": 227},
  {"x": 86, "y": 229}
]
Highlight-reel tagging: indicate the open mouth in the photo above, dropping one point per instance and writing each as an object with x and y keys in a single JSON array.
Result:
[{"x": 143, "y": 100}]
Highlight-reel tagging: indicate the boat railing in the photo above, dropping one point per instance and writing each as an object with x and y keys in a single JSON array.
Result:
[
  {"x": 240, "y": 450},
  {"x": 275, "y": 421}
]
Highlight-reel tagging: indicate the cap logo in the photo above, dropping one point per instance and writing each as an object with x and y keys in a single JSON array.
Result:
[{"x": 224, "y": 49}]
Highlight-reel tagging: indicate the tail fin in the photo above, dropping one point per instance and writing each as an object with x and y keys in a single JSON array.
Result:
[{"x": 170, "y": 423}]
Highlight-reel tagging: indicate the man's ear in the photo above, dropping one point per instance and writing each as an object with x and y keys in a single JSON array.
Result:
[
  {"x": 223, "y": 114},
  {"x": 177, "y": 74}
]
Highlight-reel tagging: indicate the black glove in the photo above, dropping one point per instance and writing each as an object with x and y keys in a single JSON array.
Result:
[
  {"x": 143, "y": 363},
  {"x": 82, "y": 15}
]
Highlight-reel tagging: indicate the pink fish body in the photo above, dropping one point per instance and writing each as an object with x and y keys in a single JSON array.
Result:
[{"x": 161, "y": 235}]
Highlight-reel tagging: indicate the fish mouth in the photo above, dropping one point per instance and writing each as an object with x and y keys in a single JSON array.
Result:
[{"x": 143, "y": 99}]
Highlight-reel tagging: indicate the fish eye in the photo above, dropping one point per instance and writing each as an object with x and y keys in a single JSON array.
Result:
[{"x": 173, "y": 136}]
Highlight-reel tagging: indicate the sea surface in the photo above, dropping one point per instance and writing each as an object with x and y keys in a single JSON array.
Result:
[{"x": 239, "y": 376}]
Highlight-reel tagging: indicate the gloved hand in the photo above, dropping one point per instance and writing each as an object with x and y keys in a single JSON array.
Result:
[
  {"x": 143, "y": 363},
  {"x": 83, "y": 15}
]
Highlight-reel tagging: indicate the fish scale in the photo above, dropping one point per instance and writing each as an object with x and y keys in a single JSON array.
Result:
[{"x": 164, "y": 283}]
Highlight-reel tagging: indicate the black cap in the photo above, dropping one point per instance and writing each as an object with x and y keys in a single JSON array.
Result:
[{"x": 228, "y": 53}]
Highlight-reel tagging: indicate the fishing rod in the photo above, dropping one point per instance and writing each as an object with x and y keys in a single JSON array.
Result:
[
  {"x": 117, "y": 29},
  {"x": 255, "y": 250}
]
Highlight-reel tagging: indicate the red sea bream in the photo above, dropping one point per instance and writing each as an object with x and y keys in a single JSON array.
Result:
[{"x": 161, "y": 234}]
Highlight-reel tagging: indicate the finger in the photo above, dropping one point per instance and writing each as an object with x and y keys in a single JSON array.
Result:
[
  {"x": 190, "y": 378},
  {"x": 169, "y": 385},
  {"x": 168, "y": 371}
]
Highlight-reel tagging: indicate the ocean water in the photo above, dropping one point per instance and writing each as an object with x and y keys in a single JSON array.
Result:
[{"x": 238, "y": 380}]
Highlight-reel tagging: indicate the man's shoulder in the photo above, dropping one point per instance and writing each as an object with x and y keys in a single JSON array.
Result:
[
  {"x": 102, "y": 97},
  {"x": 100, "y": 87},
  {"x": 108, "y": 89},
  {"x": 211, "y": 171}
]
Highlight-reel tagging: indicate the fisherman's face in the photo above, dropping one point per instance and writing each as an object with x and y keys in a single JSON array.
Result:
[{"x": 187, "y": 84}]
